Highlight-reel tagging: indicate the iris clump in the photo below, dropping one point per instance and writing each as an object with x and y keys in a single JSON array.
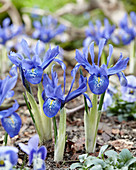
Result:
[
  {"x": 99, "y": 75},
  {"x": 54, "y": 97},
  {"x": 11, "y": 121},
  {"x": 8, "y": 31},
  {"x": 128, "y": 32},
  {"x": 36, "y": 155},
  {"x": 47, "y": 29},
  {"x": 8, "y": 157},
  {"x": 95, "y": 33},
  {"x": 33, "y": 64}
]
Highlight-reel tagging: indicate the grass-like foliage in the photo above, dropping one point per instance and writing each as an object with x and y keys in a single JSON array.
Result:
[{"x": 106, "y": 160}]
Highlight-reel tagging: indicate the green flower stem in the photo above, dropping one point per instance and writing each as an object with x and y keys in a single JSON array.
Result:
[
  {"x": 5, "y": 139},
  {"x": 101, "y": 102},
  {"x": 90, "y": 123},
  {"x": 55, "y": 129},
  {"x": 28, "y": 106},
  {"x": 37, "y": 117},
  {"x": 60, "y": 143},
  {"x": 46, "y": 121},
  {"x": 132, "y": 61}
]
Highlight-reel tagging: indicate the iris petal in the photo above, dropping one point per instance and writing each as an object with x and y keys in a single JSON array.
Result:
[
  {"x": 98, "y": 84},
  {"x": 34, "y": 75},
  {"x": 51, "y": 107},
  {"x": 43, "y": 152},
  {"x": 12, "y": 124}
]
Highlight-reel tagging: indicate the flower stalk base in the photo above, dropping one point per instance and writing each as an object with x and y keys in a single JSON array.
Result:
[
  {"x": 91, "y": 120},
  {"x": 60, "y": 142}
]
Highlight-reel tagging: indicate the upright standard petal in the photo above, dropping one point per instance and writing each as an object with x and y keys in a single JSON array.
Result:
[{"x": 101, "y": 46}]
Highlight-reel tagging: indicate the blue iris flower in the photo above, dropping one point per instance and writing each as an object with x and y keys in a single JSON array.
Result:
[
  {"x": 47, "y": 29},
  {"x": 33, "y": 66},
  {"x": 95, "y": 33},
  {"x": 99, "y": 75},
  {"x": 8, "y": 84},
  {"x": 36, "y": 155},
  {"x": 129, "y": 91},
  {"x": 8, "y": 157},
  {"x": 127, "y": 32},
  {"x": 53, "y": 96},
  {"x": 8, "y": 31},
  {"x": 10, "y": 120}
]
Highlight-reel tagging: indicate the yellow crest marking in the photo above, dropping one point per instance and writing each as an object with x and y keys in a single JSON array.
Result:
[
  {"x": 12, "y": 120},
  {"x": 99, "y": 79},
  {"x": 1, "y": 162}
]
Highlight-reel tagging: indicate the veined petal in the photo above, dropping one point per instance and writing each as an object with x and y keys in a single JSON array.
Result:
[
  {"x": 51, "y": 107},
  {"x": 33, "y": 142},
  {"x": 98, "y": 84},
  {"x": 31, "y": 156},
  {"x": 122, "y": 79},
  {"x": 43, "y": 152},
  {"x": 64, "y": 69},
  {"x": 13, "y": 157},
  {"x": 110, "y": 53},
  {"x": 24, "y": 81},
  {"x": 27, "y": 64},
  {"x": 12, "y": 124},
  {"x": 25, "y": 48},
  {"x": 8, "y": 112},
  {"x": 101, "y": 46},
  {"x": 24, "y": 148},
  {"x": 34, "y": 75},
  {"x": 76, "y": 93},
  {"x": 89, "y": 103},
  {"x": 6, "y": 22},
  {"x": 87, "y": 41},
  {"x": 15, "y": 58},
  {"x": 49, "y": 57},
  {"x": 92, "y": 52},
  {"x": 82, "y": 61},
  {"x": 119, "y": 66}
]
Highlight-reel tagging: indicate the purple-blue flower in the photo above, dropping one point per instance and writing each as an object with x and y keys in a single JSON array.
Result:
[
  {"x": 33, "y": 64},
  {"x": 53, "y": 96},
  {"x": 36, "y": 155},
  {"x": 47, "y": 29},
  {"x": 95, "y": 33},
  {"x": 99, "y": 75},
  {"x": 108, "y": 97},
  {"x": 129, "y": 91},
  {"x": 8, "y": 84},
  {"x": 8, "y": 31},
  {"x": 10, "y": 120},
  {"x": 8, "y": 157},
  {"x": 127, "y": 32}
]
